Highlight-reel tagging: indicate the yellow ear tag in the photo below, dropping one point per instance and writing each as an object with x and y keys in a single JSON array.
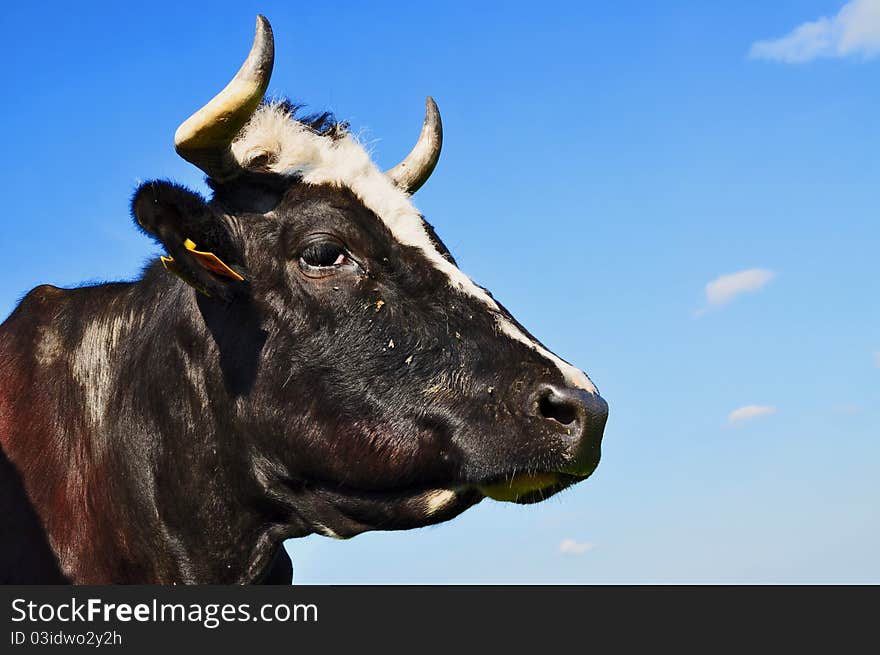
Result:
[
  {"x": 208, "y": 260},
  {"x": 212, "y": 262}
]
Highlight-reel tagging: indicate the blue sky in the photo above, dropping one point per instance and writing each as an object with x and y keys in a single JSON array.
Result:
[{"x": 603, "y": 163}]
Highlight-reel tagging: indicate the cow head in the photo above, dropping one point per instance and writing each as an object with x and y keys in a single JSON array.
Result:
[{"x": 379, "y": 386}]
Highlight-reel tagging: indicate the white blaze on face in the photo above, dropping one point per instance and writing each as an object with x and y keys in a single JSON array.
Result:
[
  {"x": 574, "y": 376},
  {"x": 344, "y": 162}
]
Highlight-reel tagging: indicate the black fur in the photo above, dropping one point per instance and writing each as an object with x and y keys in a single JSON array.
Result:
[{"x": 323, "y": 123}]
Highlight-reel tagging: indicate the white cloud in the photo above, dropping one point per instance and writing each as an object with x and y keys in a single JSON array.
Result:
[
  {"x": 749, "y": 412},
  {"x": 572, "y": 547},
  {"x": 722, "y": 290},
  {"x": 854, "y": 30}
]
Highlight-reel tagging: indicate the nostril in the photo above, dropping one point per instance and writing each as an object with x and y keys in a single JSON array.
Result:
[
  {"x": 557, "y": 408},
  {"x": 573, "y": 419}
]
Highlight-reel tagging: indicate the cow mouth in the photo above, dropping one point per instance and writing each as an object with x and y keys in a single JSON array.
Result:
[
  {"x": 529, "y": 488},
  {"x": 536, "y": 486}
]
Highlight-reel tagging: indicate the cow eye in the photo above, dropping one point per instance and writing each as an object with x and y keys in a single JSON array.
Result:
[
  {"x": 323, "y": 254},
  {"x": 323, "y": 257}
]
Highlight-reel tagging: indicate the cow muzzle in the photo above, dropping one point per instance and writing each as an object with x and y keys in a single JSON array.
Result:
[
  {"x": 577, "y": 415},
  {"x": 577, "y": 419}
]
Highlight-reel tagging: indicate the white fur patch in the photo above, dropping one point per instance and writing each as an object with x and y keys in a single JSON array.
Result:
[
  {"x": 93, "y": 361},
  {"x": 294, "y": 148},
  {"x": 437, "y": 500},
  {"x": 49, "y": 346},
  {"x": 322, "y": 529}
]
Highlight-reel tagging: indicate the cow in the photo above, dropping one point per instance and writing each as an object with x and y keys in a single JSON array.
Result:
[{"x": 307, "y": 357}]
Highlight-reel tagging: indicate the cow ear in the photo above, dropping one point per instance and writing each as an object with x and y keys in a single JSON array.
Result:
[{"x": 201, "y": 250}]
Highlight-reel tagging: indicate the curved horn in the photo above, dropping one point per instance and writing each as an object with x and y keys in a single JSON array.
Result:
[
  {"x": 414, "y": 171},
  {"x": 204, "y": 138}
]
